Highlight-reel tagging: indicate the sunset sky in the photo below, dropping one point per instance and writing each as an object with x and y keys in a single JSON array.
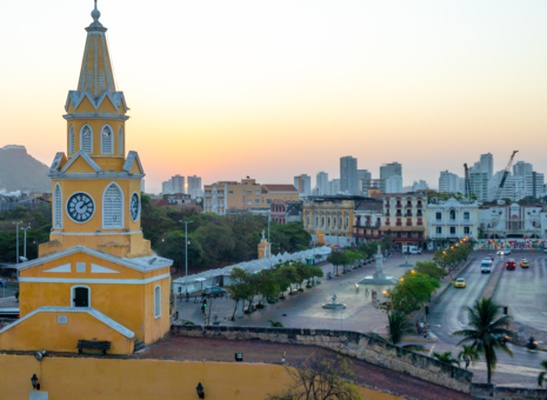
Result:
[{"x": 273, "y": 89}]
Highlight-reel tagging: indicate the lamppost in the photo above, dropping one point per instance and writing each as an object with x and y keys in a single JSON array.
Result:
[
  {"x": 269, "y": 244},
  {"x": 186, "y": 255},
  {"x": 17, "y": 240},
  {"x": 24, "y": 229}
]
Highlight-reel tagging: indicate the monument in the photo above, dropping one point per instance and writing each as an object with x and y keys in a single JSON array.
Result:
[{"x": 379, "y": 277}]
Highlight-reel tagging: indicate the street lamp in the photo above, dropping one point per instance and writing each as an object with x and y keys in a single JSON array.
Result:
[
  {"x": 17, "y": 240},
  {"x": 24, "y": 229},
  {"x": 186, "y": 255}
]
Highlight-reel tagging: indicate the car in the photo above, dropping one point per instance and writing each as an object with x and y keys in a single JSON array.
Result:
[
  {"x": 490, "y": 256},
  {"x": 214, "y": 291},
  {"x": 510, "y": 264},
  {"x": 502, "y": 338},
  {"x": 459, "y": 283},
  {"x": 524, "y": 263},
  {"x": 500, "y": 253},
  {"x": 506, "y": 252}
]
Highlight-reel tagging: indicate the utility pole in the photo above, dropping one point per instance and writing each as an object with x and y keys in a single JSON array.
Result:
[
  {"x": 24, "y": 229},
  {"x": 186, "y": 255},
  {"x": 17, "y": 240}
]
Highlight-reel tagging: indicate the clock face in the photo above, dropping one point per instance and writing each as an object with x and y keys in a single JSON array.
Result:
[
  {"x": 135, "y": 207},
  {"x": 80, "y": 207}
]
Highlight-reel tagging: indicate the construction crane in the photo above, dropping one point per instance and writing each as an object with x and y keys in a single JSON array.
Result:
[
  {"x": 466, "y": 182},
  {"x": 505, "y": 174}
]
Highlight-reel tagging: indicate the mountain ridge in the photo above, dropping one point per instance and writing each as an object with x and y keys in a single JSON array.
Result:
[{"x": 20, "y": 171}]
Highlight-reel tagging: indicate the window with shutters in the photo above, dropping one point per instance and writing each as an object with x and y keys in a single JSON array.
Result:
[
  {"x": 113, "y": 207},
  {"x": 106, "y": 140},
  {"x": 157, "y": 302},
  {"x": 71, "y": 141},
  {"x": 120, "y": 141},
  {"x": 86, "y": 139},
  {"x": 58, "y": 208}
]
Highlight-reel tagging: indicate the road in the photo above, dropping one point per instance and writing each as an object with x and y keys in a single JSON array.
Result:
[{"x": 525, "y": 294}]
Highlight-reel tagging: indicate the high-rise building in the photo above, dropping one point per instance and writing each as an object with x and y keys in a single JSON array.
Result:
[
  {"x": 334, "y": 187},
  {"x": 194, "y": 187},
  {"x": 449, "y": 183},
  {"x": 388, "y": 171},
  {"x": 322, "y": 183},
  {"x": 302, "y": 183},
  {"x": 174, "y": 185},
  {"x": 479, "y": 185},
  {"x": 348, "y": 175},
  {"x": 364, "y": 178}
]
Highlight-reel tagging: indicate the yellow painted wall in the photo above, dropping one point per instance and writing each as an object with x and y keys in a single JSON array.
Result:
[
  {"x": 121, "y": 379},
  {"x": 42, "y": 331},
  {"x": 131, "y": 305}
]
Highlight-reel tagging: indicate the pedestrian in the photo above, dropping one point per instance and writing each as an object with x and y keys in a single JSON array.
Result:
[
  {"x": 356, "y": 287},
  {"x": 366, "y": 291},
  {"x": 187, "y": 296}
]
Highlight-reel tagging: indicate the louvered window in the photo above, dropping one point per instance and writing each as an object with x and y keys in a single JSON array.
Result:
[
  {"x": 86, "y": 139},
  {"x": 120, "y": 142},
  {"x": 157, "y": 302},
  {"x": 113, "y": 207},
  {"x": 58, "y": 208},
  {"x": 71, "y": 141},
  {"x": 106, "y": 140}
]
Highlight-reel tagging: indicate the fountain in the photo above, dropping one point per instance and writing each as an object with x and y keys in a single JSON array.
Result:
[{"x": 334, "y": 305}]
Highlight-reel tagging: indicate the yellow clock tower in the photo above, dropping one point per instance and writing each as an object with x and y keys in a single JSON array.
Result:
[{"x": 97, "y": 277}]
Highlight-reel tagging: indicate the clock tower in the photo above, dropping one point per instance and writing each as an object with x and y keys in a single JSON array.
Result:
[{"x": 96, "y": 183}]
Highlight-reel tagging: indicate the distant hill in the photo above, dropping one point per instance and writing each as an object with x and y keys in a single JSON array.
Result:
[{"x": 20, "y": 171}]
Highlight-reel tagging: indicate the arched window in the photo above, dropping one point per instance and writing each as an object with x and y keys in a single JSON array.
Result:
[
  {"x": 120, "y": 141},
  {"x": 157, "y": 302},
  {"x": 106, "y": 140},
  {"x": 81, "y": 296},
  {"x": 452, "y": 215},
  {"x": 58, "y": 207},
  {"x": 71, "y": 141},
  {"x": 113, "y": 207},
  {"x": 86, "y": 139}
]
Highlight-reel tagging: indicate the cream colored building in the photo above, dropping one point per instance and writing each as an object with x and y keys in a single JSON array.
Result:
[{"x": 228, "y": 196}]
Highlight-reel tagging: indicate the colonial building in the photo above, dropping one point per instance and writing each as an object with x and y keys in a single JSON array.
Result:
[
  {"x": 512, "y": 221},
  {"x": 230, "y": 196},
  {"x": 332, "y": 218},
  {"x": 451, "y": 220},
  {"x": 96, "y": 277},
  {"x": 368, "y": 220},
  {"x": 403, "y": 218}
]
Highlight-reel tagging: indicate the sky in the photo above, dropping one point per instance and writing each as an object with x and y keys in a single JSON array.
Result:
[{"x": 274, "y": 89}]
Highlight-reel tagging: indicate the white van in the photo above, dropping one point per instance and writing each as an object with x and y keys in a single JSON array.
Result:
[
  {"x": 486, "y": 265},
  {"x": 410, "y": 249}
]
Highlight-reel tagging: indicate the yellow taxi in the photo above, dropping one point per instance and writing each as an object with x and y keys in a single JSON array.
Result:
[
  {"x": 524, "y": 263},
  {"x": 459, "y": 283}
]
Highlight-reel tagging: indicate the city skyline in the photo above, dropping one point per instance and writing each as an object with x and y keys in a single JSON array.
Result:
[{"x": 276, "y": 90}]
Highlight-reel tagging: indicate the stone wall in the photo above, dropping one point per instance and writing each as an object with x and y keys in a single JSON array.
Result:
[{"x": 372, "y": 349}]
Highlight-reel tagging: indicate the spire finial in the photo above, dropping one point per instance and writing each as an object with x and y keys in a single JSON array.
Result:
[{"x": 95, "y": 14}]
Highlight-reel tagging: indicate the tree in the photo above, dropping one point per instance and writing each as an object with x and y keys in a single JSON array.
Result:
[
  {"x": 398, "y": 326},
  {"x": 446, "y": 358},
  {"x": 412, "y": 290},
  {"x": 468, "y": 354},
  {"x": 321, "y": 379},
  {"x": 541, "y": 376},
  {"x": 337, "y": 258},
  {"x": 486, "y": 331}
]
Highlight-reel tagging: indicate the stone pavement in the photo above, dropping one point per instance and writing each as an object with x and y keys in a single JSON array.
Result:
[{"x": 304, "y": 309}]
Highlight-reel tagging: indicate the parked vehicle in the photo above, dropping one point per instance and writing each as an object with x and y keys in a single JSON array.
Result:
[
  {"x": 410, "y": 249},
  {"x": 214, "y": 291}
]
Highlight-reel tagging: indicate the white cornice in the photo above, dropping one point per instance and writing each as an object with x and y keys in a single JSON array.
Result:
[{"x": 87, "y": 116}]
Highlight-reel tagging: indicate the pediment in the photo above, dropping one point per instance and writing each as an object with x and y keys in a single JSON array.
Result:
[
  {"x": 133, "y": 164},
  {"x": 81, "y": 163},
  {"x": 58, "y": 162}
]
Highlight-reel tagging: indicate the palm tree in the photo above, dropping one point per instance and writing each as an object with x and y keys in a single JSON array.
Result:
[
  {"x": 486, "y": 332},
  {"x": 398, "y": 326},
  {"x": 468, "y": 354},
  {"x": 541, "y": 375},
  {"x": 446, "y": 358}
]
